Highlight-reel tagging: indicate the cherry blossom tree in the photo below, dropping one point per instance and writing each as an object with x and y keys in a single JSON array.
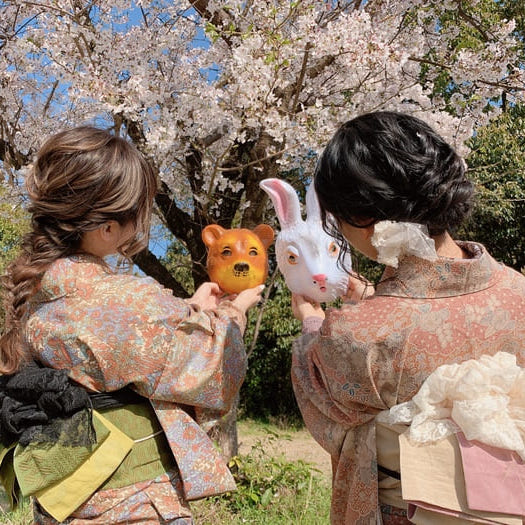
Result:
[{"x": 219, "y": 95}]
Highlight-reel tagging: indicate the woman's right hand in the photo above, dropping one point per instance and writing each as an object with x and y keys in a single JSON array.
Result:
[
  {"x": 206, "y": 296},
  {"x": 247, "y": 298},
  {"x": 358, "y": 287}
]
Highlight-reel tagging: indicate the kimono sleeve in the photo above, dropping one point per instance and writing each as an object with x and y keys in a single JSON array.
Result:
[
  {"x": 134, "y": 332},
  {"x": 335, "y": 382}
]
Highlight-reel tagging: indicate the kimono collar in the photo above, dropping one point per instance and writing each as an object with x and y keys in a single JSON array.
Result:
[
  {"x": 64, "y": 275},
  {"x": 445, "y": 277}
]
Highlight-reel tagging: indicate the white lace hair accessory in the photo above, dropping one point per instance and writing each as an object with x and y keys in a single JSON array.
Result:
[
  {"x": 484, "y": 398},
  {"x": 394, "y": 239}
]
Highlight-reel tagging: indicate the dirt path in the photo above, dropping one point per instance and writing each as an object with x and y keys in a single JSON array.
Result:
[{"x": 293, "y": 445}]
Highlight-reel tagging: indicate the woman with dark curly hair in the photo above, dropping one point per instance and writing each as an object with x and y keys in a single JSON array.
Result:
[{"x": 392, "y": 188}]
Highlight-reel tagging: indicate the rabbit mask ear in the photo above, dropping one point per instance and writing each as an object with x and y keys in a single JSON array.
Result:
[
  {"x": 313, "y": 211},
  {"x": 285, "y": 201}
]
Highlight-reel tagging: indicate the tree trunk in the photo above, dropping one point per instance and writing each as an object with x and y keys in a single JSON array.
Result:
[{"x": 225, "y": 433}]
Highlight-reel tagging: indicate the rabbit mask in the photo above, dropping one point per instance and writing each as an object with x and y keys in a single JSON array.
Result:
[{"x": 306, "y": 254}]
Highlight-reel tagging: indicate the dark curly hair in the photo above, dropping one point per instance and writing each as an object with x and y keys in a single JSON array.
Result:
[{"x": 391, "y": 166}]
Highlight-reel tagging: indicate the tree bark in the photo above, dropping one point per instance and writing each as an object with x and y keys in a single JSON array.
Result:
[{"x": 225, "y": 433}]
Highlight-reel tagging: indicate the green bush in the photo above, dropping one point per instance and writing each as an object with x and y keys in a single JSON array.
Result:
[{"x": 270, "y": 490}]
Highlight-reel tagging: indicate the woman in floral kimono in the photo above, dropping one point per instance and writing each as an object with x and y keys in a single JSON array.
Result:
[
  {"x": 393, "y": 189},
  {"x": 91, "y": 195}
]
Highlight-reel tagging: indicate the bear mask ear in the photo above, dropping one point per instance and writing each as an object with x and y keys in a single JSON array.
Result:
[
  {"x": 265, "y": 233},
  {"x": 211, "y": 234}
]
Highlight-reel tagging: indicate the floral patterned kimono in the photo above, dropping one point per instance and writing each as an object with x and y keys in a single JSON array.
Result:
[
  {"x": 371, "y": 355},
  {"x": 113, "y": 330}
]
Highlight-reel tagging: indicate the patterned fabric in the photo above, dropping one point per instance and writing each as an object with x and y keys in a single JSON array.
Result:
[
  {"x": 111, "y": 330},
  {"x": 371, "y": 355},
  {"x": 393, "y": 516},
  {"x": 150, "y": 502}
]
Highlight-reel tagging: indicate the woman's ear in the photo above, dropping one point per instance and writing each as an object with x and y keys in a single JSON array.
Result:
[{"x": 108, "y": 231}]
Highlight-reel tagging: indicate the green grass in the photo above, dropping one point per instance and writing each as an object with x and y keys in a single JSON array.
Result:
[
  {"x": 23, "y": 515},
  {"x": 270, "y": 489}
]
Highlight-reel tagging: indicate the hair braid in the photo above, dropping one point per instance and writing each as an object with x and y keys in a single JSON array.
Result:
[{"x": 20, "y": 283}]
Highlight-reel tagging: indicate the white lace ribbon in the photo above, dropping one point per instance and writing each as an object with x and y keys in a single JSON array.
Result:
[
  {"x": 484, "y": 398},
  {"x": 395, "y": 239}
]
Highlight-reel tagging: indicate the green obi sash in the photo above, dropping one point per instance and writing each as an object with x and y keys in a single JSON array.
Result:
[{"x": 130, "y": 447}]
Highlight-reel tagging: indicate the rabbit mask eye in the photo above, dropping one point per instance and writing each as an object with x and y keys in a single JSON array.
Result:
[
  {"x": 226, "y": 252},
  {"x": 293, "y": 255},
  {"x": 333, "y": 249},
  {"x": 253, "y": 252}
]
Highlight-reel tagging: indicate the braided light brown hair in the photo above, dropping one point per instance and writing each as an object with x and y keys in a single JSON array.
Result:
[{"x": 81, "y": 178}]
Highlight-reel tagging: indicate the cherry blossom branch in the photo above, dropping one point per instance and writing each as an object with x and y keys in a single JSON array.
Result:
[
  {"x": 473, "y": 22},
  {"x": 253, "y": 163},
  {"x": 500, "y": 85},
  {"x": 49, "y": 7},
  {"x": 50, "y": 98},
  {"x": 16, "y": 31},
  {"x": 302, "y": 74},
  {"x": 217, "y": 19}
]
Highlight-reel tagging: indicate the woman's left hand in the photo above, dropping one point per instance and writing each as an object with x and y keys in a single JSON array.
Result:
[
  {"x": 206, "y": 296},
  {"x": 303, "y": 308}
]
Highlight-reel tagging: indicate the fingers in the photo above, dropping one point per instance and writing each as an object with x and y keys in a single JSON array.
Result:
[
  {"x": 248, "y": 298},
  {"x": 358, "y": 287},
  {"x": 206, "y": 296},
  {"x": 302, "y": 307},
  {"x": 255, "y": 293},
  {"x": 209, "y": 288},
  {"x": 215, "y": 289}
]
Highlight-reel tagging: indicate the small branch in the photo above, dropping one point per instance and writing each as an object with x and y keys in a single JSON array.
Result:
[
  {"x": 321, "y": 65},
  {"x": 266, "y": 298},
  {"x": 287, "y": 18},
  {"x": 302, "y": 74},
  {"x": 51, "y": 8},
  {"x": 473, "y": 22},
  {"x": 144, "y": 16},
  {"x": 257, "y": 161},
  {"x": 500, "y": 85},
  {"x": 214, "y": 136},
  {"x": 50, "y": 98},
  {"x": 218, "y": 18}
]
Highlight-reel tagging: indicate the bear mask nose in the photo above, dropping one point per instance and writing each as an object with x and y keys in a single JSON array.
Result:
[{"x": 241, "y": 267}]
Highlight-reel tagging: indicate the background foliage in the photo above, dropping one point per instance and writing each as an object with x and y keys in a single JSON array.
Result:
[
  {"x": 497, "y": 165},
  {"x": 267, "y": 390}
]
